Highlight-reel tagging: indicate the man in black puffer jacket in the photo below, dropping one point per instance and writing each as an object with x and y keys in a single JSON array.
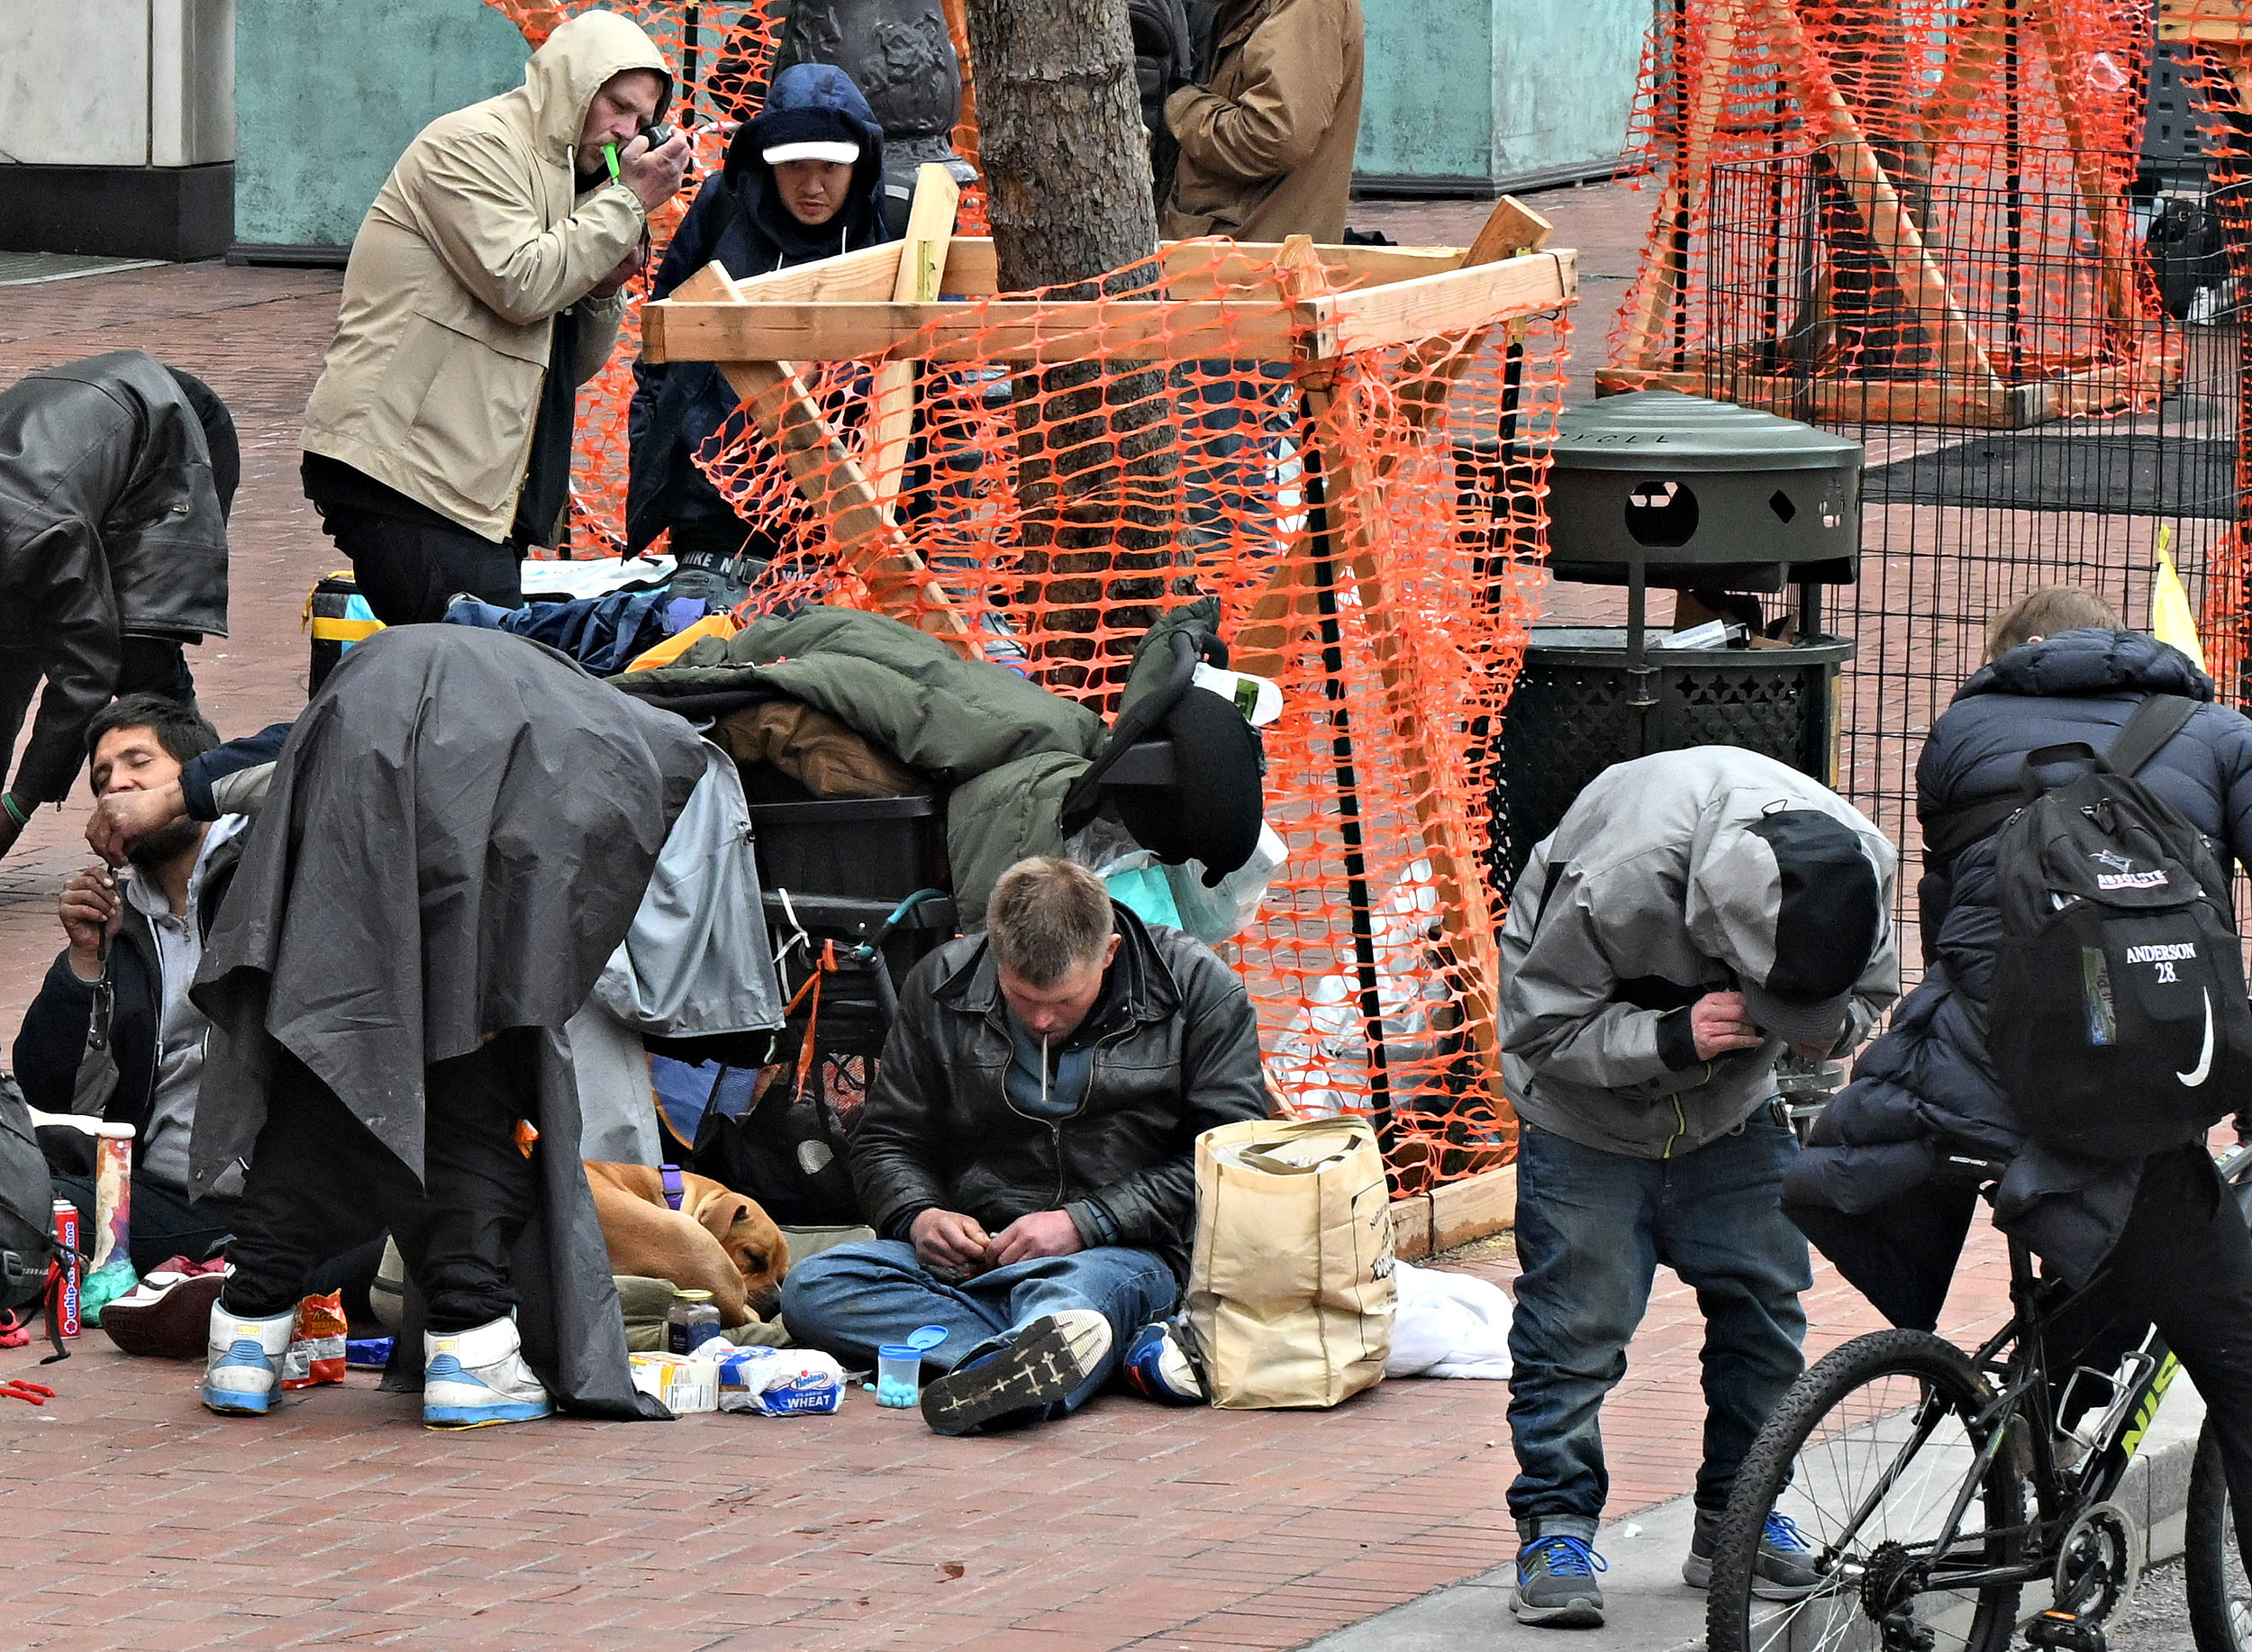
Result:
[
  {"x": 1028, "y": 1153},
  {"x": 2171, "y": 1243}
]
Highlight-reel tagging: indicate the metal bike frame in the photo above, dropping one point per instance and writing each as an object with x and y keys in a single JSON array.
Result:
[{"x": 2022, "y": 1375}]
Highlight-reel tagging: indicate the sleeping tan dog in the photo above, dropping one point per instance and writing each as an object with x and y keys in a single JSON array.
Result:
[{"x": 718, "y": 1240}]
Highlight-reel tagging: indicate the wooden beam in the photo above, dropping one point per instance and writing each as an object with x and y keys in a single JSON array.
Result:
[
  {"x": 921, "y": 274},
  {"x": 873, "y": 272},
  {"x": 1890, "y": 226},
  {"x": 1204, "y": 268},
  {"x": 1003, "y": 330},
  {"x": 1428, "y": 376},
  {"x": 1978, "y": 50},
  {"x": 2105, "y": 208},
  {"x": 1651, "y": 301},
  {"x": 830, "y": 480},
  {"x": 1415, "y": 311}
]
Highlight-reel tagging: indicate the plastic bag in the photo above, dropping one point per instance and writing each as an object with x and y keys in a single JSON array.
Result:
[
  {"x": 785, "y": 1382},
  {"x": 316, "y": 1343}
]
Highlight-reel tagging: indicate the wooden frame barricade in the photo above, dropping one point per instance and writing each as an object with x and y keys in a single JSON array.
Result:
[{"x": 1260, "y": 302}]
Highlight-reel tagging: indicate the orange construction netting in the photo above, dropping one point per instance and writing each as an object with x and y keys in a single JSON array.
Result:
[
  {"x": 1896, "y": 111},
  {"x": 1371, "y": 523},
  {"x": 720, "y": 55}
]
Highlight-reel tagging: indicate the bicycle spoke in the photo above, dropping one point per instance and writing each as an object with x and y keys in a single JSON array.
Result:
[{"x": 1872, "y": 1490}]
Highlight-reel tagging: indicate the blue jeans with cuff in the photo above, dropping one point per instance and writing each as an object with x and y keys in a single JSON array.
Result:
[
  {"x": 850, "y": 1300},
  {"x": 1592, "y": 1229}
]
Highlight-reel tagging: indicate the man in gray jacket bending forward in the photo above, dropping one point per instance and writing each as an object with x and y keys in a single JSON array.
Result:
[{"x": 1695, "y": 913}]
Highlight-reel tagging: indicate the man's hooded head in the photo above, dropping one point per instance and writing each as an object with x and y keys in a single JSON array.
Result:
[
  {"x": 219, "y": 436},
  {"x": 1792, "y": 900},
  {"x": 813, "y": 114},
  {"x": 575, "y": 68}
]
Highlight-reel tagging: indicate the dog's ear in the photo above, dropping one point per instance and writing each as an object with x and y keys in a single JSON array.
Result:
[{"x": 722, "y": 1214}]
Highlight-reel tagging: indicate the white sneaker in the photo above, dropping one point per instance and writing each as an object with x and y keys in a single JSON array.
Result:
[
  {"x": 478, "y": 1376},
  {"x": 242, "y": 1361}
]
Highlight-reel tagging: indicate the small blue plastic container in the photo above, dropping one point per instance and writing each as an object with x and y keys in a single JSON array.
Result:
[{"x": 899, "y": 1367}]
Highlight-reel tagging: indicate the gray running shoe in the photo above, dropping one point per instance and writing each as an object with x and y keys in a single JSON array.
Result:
[
  {"x": 1786, "y": 1570},
  {"x": 1555, "y": 1584}
]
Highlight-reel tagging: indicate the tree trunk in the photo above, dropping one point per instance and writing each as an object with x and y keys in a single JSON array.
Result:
[{"x": 1066, "y": 175}]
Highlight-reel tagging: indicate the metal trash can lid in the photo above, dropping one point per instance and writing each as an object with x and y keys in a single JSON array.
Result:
[{"x": 1665, "y": 431}]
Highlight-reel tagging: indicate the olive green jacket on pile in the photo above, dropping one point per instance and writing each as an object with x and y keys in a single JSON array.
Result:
[
  {"x": 1006, "y": 748},
  {"x": 475, "y": 243}
]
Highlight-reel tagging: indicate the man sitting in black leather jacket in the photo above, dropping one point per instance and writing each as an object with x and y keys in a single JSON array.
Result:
[{"x": 1028, "y": 1152}]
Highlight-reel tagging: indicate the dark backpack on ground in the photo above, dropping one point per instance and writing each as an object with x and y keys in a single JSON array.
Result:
[
  {"x": 27, "y": 1203},
  {"x": 2118, "y": 1023}
]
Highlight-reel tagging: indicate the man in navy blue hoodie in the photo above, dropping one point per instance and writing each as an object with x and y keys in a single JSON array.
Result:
[{"x": 803, "y": 181}]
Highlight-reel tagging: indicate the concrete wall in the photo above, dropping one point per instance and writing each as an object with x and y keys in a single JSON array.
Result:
[
  {"x": 117, "y": 83},
  {"x": 1467, "y": 96},
  {"x": 329, "y": 92}
]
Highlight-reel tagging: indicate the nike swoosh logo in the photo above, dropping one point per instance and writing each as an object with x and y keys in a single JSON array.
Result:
[{"x": 2204, "y": 1067}]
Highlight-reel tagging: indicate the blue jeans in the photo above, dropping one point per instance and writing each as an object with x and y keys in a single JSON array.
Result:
[
  {"x": 1592, "y": 1228},
  {"x": 848, "y": 1300}
]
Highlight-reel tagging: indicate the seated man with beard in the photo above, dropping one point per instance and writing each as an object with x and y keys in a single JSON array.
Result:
[{"x": 112, "y": 1030}]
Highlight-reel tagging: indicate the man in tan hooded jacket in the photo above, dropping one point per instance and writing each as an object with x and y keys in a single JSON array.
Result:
[
  {"x": 484, "y": 288},
  {"x": 1266, "y": 147}
]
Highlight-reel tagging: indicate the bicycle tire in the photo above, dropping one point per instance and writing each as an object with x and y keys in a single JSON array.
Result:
[
  {"x": 1774, "y": 1478},
  {"x": 2215, "y": 1564}
]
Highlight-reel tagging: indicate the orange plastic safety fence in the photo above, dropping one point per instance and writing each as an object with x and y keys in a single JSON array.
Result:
[
  {"x": 1937, "y": 226},
  {"x": 720, "y": 56},
  {"x": 1370, "y": 527}
]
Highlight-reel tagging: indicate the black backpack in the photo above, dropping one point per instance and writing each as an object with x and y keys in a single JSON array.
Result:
[
  {"x": 27, "y": 1203},
  {"x": 2118, "y": 1023}
]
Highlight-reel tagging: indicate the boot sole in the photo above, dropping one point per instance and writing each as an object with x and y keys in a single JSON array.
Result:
[
  {"x": 1038, "y": 1369},
  {"x": 175, "y": 1326},
  {"x": 482, "y": 1416},
  {"x": 1578, "y": 1613}
]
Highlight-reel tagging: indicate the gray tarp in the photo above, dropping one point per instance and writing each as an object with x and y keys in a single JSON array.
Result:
[
  {"x": 457, "y": 838},
  {"x": 697, "y": 959}
]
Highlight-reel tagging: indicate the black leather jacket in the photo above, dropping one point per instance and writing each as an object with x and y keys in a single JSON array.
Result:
[
  {"x": 110, "y": 524},
  {"x": 1175, "y": 1052}
]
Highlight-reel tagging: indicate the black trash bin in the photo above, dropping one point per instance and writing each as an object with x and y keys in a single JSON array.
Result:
[{"x": 1656, "y": 488}]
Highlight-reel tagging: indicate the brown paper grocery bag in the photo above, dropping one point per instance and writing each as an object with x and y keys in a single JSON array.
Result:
[{"x": 1290, "y": 1295}]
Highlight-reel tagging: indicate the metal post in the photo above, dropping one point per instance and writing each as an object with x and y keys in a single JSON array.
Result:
[
  {"x": 1318, "y": 534},
  {"x": 1639, "y": 667},
  {"x": 690, "y": 29}
]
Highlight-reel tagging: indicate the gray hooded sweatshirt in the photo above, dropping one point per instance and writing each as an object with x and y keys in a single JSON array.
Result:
[{"x": 1614, "y": 931}]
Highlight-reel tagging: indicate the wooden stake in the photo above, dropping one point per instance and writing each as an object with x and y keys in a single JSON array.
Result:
[
  {"x": 921, "y": 269},
  {"x": 830, "y": 481},
  {"x": 1353, "y": 500}
]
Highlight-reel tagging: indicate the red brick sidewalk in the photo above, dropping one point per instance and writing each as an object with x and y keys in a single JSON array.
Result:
[{"x": 141, "y": 1522}]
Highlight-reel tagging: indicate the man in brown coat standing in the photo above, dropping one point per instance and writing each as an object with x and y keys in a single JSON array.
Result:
[{"x": 1266, "y": 147}]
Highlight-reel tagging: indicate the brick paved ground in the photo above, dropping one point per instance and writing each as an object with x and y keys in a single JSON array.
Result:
[{"x": 141, "y": 1522}]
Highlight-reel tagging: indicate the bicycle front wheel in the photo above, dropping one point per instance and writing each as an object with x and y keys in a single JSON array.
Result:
[
  {"x": 1869, "y": 1456},
  {"x": 2213, "y": 1568}
]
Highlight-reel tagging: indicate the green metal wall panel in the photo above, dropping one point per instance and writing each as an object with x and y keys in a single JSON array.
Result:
[
  {"x": 1464, "y": 94},
  {"x": 1428, "y": 89},
  {"x": 329, "y": 92}
]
